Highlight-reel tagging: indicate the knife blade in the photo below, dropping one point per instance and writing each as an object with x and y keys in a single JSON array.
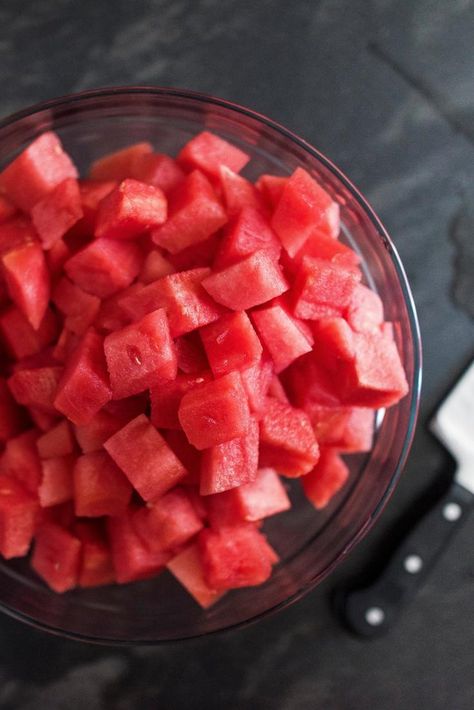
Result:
[{"x": 370, "y": 611}]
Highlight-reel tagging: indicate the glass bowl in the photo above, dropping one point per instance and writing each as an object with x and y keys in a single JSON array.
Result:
[{"x": 310, "y": 543}]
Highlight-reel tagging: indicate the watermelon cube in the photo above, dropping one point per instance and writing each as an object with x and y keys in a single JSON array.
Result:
[
  {"x": 18, "y": 517},
  {"x": 36, "y": 171},
  {"x": 158, "y": 170},
  {"x": 262, "y": 277},
  {"x": 169, "y": 523},
  {"x": 7, "y": 209},
  {"x": 145, "y": 458},
  {"x": 240, "y": 193},
  {"x": 100, "y": 487},
  {"x": 129, "y": 210},
  {"x": 65, "y": 345},
  {"x": 307, "y": 380},
  {"x": 196, "y": 256},
  {"x": 321, "y": 285},
  {"x": 166, "y": 397},
  {"x": 358, "y": 431},
  {"x": 105, "y": 266},
  {"x": 215, "y": 412},
  {"x": 36, "y": 387},
  {"x": 303, "y": 207},
  {"x": 84, "y": 387},
  {"x": 155, "y": 267},
  {"x": 271, "y": 187},
  {"x": 15, "y": 233},
  {"x": 189, "y": 456},
  {"x": 104, "y": 423},
  {"x": 56, "y": 557},
  {"x": 132, "y": 559},
  {"x": 365, "y": 310},
  {"x": 21, "y": 339},
  {"x": 41, "y": 419},
  {"x": 287, "y": 440},
  {"x": 111, "y": 315},
  {"x": 282, "y": 335},
  {"x": 230, "y": 464},
  {"x": 277, "y": 390},
  {"x": 321, "y": 246},
  {"x": 120, "y": 164},
  {"x": 249, "y": 231},
  {"x": 209, "y": 153},
  {"x": 20, "y": 460},
  {"x": 187, "y": 304},
  {"x": 79, "y": 308},
  {"x": 11, "y": 416},
  {"x": 56, "y": 257},
  {"x": 57, "y": 441},
  {"x": 235, "y": 557},
  {"x": 57, "y": 212},
  {"x": 56, "y": 483},
  {"x": 231, "y": 343},
  {"x": 192, "y": 359},
  {"x": 27, "y": 279},
  {"x": 92, "y": 193},
  {"x": 256, "y": 380},
  {"x": 194, "y": 214},
  {"x": 140, "y": 355},
  {"x": 188, "y": 569},
  {"x": 326, "y": 479},
  {"x": 96, "y": 567}
]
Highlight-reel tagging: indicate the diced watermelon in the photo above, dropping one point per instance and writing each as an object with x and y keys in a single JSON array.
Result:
[
  {"x": 188, "y": 569},
  {"x": 79, "y": 308},
  {"x": 215, "y": 412},
  {"x": 247, "y": 233},
  {"x": 130, "y": 209},
  {"x": 56, "y": 257},
  {"x": 91, "y": 436},
  {"x": 321, "y": 285},
  {"x": 209, "y": 153},
  {"x": 84, "y": 387},
  {"x": 105, "y": 266},
  {"x": 196, "y": 256},
  {"x": 321, "y": 246},
  {"x": 62, "y": 515},
  {"x": 277, "y": 390},
  {"x": 303, "y": 207},
  {"x": 27, "y": 278},
  {"x": 194, "y": 213},
  {"x": 192, "y": 358},
  {"x": 7, "y": 209},
  {"x": 155, "y": 267},
  {"x": 21, "y": 339},
  {"x": 111, "y": 315},
  {"x": 20, "y": 460},
  {"x": 58, "y": 441},
  {"x": 36, "y": 171},
  {"x": 239, "y": 193},
  {"x": 120, "y": 164},
  {"x": 230, "y": 464},
  {"x": 57, "y": 212},
  {"x": 169, "y": 523},
  {"x": 256, "y": 381},
  {"x": 187, "y": 304},
  {"x": 145, "y": 458},
  {"x": 235, "y": 557},
  {"x": 231, "y": 343},
  {"x": 15, "y": 233},
  {"x": 287, "y": 440},
  {"x": 100, "y": 487},
  {"x": 42, "y": 419},
  {"x": 56, "y": 557},
  {"x": 308, "y": 381},
  {"x": 56, "y": 483},
  {"x": 271, "y": 187},
  {"x": 37, "y": 387},
  {"x": 326, "y": 479},
  {"x": 65, "y": 345},
  {"x": 18, "y": 516},
  {"x": 262, "y": 277},
  {"x": 92, "y": 193},
  {"x": 158, "y": 170},
  {"x": 365, "y": 310},
  {"x": 189, "y": 456},
  {"x": 141, "y": 355},
  {"x": 166, "y": 397},
  {"x": 281, "y": 334},
  {"x": 132, "y": 559},
  {"x": 96, "y": 568},
  {"x": 11, "y": 417}
]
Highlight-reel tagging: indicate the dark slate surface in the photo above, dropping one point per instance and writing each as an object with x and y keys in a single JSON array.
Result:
[{"x": 385, "y": 89}]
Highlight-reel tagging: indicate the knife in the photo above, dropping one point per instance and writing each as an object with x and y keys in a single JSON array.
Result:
[{"x": 370, "y": 611}]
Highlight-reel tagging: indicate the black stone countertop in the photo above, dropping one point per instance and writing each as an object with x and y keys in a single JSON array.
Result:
[{"x": 385, "y": 89}]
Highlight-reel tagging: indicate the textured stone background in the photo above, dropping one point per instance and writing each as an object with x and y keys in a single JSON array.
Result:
[{"x": 386, "y": 89}]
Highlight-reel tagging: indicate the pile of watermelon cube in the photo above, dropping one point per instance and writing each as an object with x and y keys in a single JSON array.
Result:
[{"x": 176, "y": 342}]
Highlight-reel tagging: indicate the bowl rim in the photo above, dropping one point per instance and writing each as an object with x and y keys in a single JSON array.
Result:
[{"x": 414, "y": 394}]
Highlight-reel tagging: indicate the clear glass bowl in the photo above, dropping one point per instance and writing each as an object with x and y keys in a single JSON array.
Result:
[{"x": 310, "y": 543}]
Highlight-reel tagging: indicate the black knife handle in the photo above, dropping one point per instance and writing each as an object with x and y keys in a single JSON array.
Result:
[{"x": 372, "y": 610}]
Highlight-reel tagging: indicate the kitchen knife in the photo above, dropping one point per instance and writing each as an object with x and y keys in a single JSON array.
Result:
[{"x": 370, "y": 611}]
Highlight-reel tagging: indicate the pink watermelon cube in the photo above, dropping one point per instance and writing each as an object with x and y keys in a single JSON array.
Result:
[
  {"x": 99, "y": 486},
  {"x": 230, "y": 464},
  {"x": 56, "y": 481},
  {"x": 146, "y": 459},
  {"x": 57, "y": 212},
  {"x": 57, "y": 441},
  {"x": 365, "y": 310},
  {"x": 231, "y": 343},
  {"x": 36, "y": 387},
  {"x": 249, "y": 231},
  {"x": 79, "y": 308},
  {"x": 188, "y": 569},
  {"x": 155, "y": 267},
  {"x": 326, "y": 479},
  {"x": 20, "y": 460},
  {"x": 239, "y": 193},
  {"x": 31, "y": 294},
  {"x": 321, "y": 285},
  {"x": 140, "y": 355},
  {"x": 120, "y": 164},
  {"x": 256, "y": 380},
  {"x": 19, "y": 336},
  {"x": 283, "y": 336},
  {"x": 129, "y": 210},
  {"x": 18, "y": 516},
  {"x": 57, "y": 557},
  {"x": 169, "y": 523},
  {"x": 96, "y": 567},
  {"x": 166, "y": 397},
  {"x": 215, "y": 412},
  {"x": 104, "y": 423},
  {"x": 271, "y": 187},
  {"x": 192, "y": 358},
  {"x": 159, "y": 170},
  {"x": 209, "y": 153}
]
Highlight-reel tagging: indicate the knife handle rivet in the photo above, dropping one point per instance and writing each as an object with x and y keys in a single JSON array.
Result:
[
  {"x": 375, "y": 616},
  {"x": 413, "y": 564},
  {"x": 452, "y": 512}
]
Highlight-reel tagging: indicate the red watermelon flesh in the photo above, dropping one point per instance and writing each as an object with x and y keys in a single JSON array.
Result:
[
  {"x": 28, "y": 281},
  {"x": 20, "y": 460},
  {"x": 130, "y": 209},
  {"x": 11, "y": 416},
  {"x": 248, "y": 232},
  {"x": 166, "y": 397},
  {"x": 21, "y": 339},
  {"x": 158, "y": 170},
  {"x": 58, "y": 441},
  {"x": 239, "y": 193},
  {"x": 36, "y": 387},
  {"x": 7, "y": 209},
  {"x": 210, "y": 153},
  {"x": 56, "y": 482},
  {"x": 57, "y": 212},
  {"x": 281, "y": 334},
  {"x": 187, "y": 568},
  {"x": 326, "y": 479},
  {"x": 100, "y": 488},
  {"x": 120, "y": 164},
  {"x": 231, "y": 343},
  {"x": 320, "y": 285},
  {"x": 191, "y": 356},
  {"x": 96, "y": 568},
  {"x": 79, "y": 308},
  {"x": 18, "y": 516},
  {"x": 15, "y": 233},
  {"x": 271, "y": 187},
  {"x": 56, "y": 557},
  {"x": 365, "y": 310},
  {"x": 155, "y": 267},
  {"x": 256, "y": 380}
]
